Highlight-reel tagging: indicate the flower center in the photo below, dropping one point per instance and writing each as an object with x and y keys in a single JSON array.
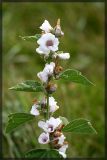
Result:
[
  {"x": 45, "y": 139},
  {"x": 50, "y": 127},
  {"x": 49, "y": 43}
]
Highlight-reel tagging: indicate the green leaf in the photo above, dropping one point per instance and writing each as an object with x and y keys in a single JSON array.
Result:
[
  {"x": 17, "y": 119},
  {"x": 43, "y": 153},
  {"x": 64, "y": 120},
  {"x": 81, "y": 126},
  {"x": 31, "y": 38},
  {"x": 28, "y": 86},
  {"x": 74, "y": 76}
]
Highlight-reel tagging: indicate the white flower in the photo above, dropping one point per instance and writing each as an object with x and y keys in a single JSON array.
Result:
[
  {"x": 34, "y": 110},
  {"x": 43, "y": 76},
  {"x": 49, "y": 68},
  {"x": 44, "y": 138},
  {"x": 64, "y": 55},
  {"x": 47, "y": 71},
  {"x": 50, "y": 125},
  {"x": 47, "y": 42},
  {"x": 61, "y": 139},
  {"x": 46, "y": 26},
  {"x": 62, "y": 150},
  {"x": 53, "y": 104}
]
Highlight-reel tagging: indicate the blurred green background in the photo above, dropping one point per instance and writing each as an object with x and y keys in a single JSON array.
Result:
[{"x": 83, "y": 25}]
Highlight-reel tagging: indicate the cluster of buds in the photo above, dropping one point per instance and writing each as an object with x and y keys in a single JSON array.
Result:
[{"x": 48, "y": 48}]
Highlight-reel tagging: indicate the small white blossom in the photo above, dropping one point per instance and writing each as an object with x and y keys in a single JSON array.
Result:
[
  {"x": 44, "y": 138},
  {"x": 47, "y": 71},
  {"x": 34, "y": 110},
  {"x": 62, "y": 150},
  {"x": 64, "y": 55},
  {"x": 49, "y": 68},
  {"x": 46, "y": 26},
  {"x": 50, "y": 125},
  {"x": 47, "y": 42},
  {"x": 53, "y": 104},
  {"x": 61, "y": 139},
  {"x": 43, "y": 76}
]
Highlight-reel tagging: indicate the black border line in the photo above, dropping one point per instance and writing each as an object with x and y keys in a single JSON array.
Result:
[
  {"x": 54, "y": 159},
  {"x": 1, "y": 79},
  {"x": 105, "y": 28},
  {"x": 53, "y": 1},
  {"x": 105, "y": 79}
]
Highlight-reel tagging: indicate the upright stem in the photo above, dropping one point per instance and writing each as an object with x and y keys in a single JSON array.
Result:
[{"x": 47, "y": 106}]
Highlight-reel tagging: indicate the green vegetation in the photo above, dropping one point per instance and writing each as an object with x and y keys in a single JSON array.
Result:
[{"x": 83, "y": 25}]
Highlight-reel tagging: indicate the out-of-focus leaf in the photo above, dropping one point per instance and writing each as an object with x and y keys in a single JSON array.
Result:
[
  {"x": 28, "y": 86},
  {"x": 64, "y": 120},
  {"x": 43, "y": 153},
  {"x": 74, "y": 76},
  {"x": 17, "y": 119},
  {"x": 80, "y": 126}
]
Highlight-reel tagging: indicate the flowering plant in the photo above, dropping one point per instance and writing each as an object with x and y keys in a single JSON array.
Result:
[{"x": 52, "y": 128}]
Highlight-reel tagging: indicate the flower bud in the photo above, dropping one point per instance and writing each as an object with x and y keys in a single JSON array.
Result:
[
  {"x": 57, "y": 30},
  {"x": 57, "y": 70},
  {"x": 57, "y": 134},
  {"x": 60, "y": 127},
  {"x": 35, "y": 101},
  {"x": 54, "y": 142},
  {"x": 50, "y": 88},
  {"x": 65, "y": 143},
  {"x": 43, "y": 105},
  {"x": 57, "y": 146}
]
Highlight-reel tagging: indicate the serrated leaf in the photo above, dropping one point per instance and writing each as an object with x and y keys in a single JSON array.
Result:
[
  {"x": 17, "y": 119},
  {"x": 81, "y": 126},
  {"x": 74, "y": 76},
  {"x": 43, "y": 153},
  {"x": 64, "y": 120},
  {"x": 31, "y": 38},
  {"x": 28, "y": 86}
]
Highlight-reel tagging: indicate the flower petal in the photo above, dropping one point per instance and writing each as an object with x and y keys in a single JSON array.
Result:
[
  {"x": 46, "y": 26},
  {"x": 63, "y": 148},
  {"x": 34, "y": 110},
  {"x": 64, "y": 55},
  {"x": 61, "y": 139},
  {"x": 63, "y": 154},
  {"x": 43, "y": 138},
  {"x": 41, "y": 124},
  {"x": 43, "y": 76}
]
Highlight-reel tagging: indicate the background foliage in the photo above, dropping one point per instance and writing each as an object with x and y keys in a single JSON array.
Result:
[{"x": 83, "y": 25}]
